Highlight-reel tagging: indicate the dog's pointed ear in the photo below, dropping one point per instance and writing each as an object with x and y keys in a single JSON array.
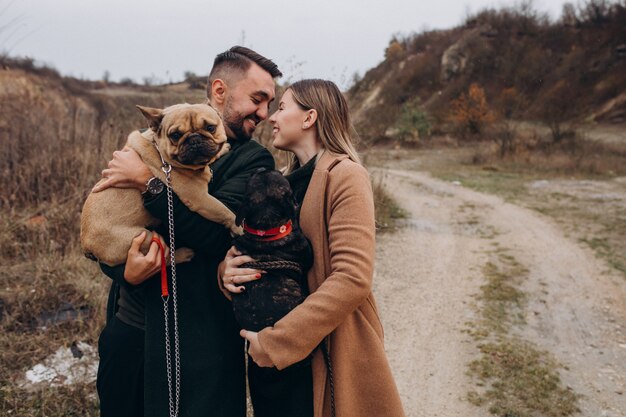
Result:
[{"x": 154, "y": 116}]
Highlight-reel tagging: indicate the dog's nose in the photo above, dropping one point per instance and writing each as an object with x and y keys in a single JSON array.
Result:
[{"x": 195, "y": 136}]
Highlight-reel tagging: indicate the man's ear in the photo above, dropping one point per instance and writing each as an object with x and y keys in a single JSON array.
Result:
[
  {"x": 310, "y": 119},
  {"x": 153, "y": 116},
  {"x": 218, "y": 92}
]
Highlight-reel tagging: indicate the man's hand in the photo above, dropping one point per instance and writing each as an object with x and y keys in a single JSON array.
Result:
[
  {"x": 140, "y": 267},
  {"x": 256, "y": 351},
  {"x": 125, "y": 170}
]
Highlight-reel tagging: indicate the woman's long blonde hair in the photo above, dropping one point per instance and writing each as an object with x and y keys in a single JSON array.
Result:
[{"x": 333, "y": 124}]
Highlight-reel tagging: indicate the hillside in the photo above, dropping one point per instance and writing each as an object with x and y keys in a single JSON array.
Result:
[{"x": 528, "y": 67}]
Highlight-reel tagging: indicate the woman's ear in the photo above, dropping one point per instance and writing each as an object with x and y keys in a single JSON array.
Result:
[{"x": 310, "y": 119}]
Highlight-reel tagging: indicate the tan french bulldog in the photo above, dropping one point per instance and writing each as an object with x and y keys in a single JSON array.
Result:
[{"x": 189, "y": 137}]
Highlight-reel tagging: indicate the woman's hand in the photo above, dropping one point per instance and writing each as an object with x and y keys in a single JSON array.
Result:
[
  {"x": 231, "y": 273},
  {"x": 140, "y": 267},
  {"x": 125, "y": 170},
  {"x": 256, "y": 351}
]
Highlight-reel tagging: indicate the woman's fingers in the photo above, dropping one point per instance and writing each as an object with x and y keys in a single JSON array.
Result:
[
  {"x": 232, "y": 252},
  {"x": 234, "y": 289},
  {"x": 241, "y": 278},
  {"x": 242, "y": 271},
  {"x": 234, "y": 275},
  {"x": 240, "y": 260}
]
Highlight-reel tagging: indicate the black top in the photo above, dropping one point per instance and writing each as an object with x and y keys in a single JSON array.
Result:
[{"x": 299, "y": 180}]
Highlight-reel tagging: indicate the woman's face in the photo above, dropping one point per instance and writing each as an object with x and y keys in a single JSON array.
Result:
[{"x": 287, "y": 123}]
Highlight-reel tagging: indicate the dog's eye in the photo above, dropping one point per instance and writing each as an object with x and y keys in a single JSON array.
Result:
[
  {"x": 175, "y": 136},
  {"x": 210, "y": 128}
]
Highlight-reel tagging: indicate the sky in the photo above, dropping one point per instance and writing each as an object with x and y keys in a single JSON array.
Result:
[{"x": 160, "y": 40}]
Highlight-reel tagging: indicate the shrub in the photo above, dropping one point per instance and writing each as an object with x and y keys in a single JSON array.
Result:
[
  {"x": 470, "y": 112},
  {"x": 394, "y": 50},
  {"x": 558, "y": 108},
  {"x": 413, "y": 122}
]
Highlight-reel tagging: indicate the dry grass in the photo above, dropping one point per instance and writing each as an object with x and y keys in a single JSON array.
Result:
[
  {"x": 514, "y": 377},
  {"x": 387, "y": 209},
  {"x": 54, "y": 143}
]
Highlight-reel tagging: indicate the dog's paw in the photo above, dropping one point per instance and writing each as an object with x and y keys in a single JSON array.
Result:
[
  {"x": 190, "y": 204},
  {"x": 183, "y": 255},
  {"x": 236, "y": 230},
  {"x": 223, "y": 151}
]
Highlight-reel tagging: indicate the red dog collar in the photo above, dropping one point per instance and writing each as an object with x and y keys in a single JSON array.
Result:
[{"x": 269, "y": 234}]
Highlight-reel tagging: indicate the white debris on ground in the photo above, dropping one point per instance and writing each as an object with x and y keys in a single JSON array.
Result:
[{"x": 67, "y": 366}]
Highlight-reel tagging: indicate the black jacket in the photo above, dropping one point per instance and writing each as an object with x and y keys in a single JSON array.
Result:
[{"x": 212, "y": 360}]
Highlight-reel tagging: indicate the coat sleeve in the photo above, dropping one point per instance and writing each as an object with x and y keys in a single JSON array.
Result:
[
  {"x": 198, "y": 233},
  {"x": 351, "y": 240}
]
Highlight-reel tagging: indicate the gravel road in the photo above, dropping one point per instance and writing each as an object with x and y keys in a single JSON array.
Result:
[{"x": 428, "y": 274}]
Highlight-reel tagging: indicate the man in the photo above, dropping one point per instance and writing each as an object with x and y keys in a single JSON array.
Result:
[{"x": 212, "y": 374}]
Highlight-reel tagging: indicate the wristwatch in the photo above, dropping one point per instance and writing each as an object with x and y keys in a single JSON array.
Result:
[{"x": 154, "y": 186}]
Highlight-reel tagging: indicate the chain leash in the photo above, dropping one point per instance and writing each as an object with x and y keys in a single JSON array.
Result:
[{"x": 173, "y": 394}]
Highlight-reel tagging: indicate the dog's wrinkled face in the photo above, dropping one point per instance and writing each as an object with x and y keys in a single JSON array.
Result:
[
  {"x": 268, "y": 201},
  {"x": 188, "y": 134}
]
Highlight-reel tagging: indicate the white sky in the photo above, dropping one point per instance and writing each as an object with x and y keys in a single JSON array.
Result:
[{"x": 164, "y": 38}]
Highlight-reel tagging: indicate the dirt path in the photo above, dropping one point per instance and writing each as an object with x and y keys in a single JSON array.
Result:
[{"x": 427, "y": 276}]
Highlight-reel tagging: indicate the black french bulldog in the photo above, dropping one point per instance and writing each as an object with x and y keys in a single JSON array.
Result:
[{"x": 273, "y": 238}]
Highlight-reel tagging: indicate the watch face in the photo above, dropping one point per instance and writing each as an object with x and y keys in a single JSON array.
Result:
[{"x": 155, "y": 185}]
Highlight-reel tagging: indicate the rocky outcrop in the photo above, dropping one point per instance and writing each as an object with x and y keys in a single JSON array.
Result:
[{"x": 455, "y": 58}]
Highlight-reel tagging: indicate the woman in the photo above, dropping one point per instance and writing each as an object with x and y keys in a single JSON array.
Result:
[{"x": 337, "y": 215}]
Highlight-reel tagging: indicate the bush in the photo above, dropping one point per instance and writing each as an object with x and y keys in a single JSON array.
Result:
[
  {"x": 394, "y": 50},
  {"x": 558, "y": 108},
  {"x": 470, "y": 112},
  {"x": 413, "y": 122}
]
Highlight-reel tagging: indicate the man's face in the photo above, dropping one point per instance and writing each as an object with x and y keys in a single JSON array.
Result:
[{"x": 247, "y": 102}]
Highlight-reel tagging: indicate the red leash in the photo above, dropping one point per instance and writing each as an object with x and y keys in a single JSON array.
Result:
[{"x": 164, "y": 291}]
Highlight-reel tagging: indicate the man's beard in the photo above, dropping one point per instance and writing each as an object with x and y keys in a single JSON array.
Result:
[{"x": 235, "y": 122}]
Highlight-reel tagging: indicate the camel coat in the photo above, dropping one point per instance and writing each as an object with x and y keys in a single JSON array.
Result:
[{"x": 338, "y": 218}]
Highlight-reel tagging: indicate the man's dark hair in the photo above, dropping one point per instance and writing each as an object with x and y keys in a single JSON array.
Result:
[{"x": 236, "y": 61}]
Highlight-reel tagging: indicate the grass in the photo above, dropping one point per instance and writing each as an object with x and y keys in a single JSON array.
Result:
[
  {"x": 60, "y": 141},
  {"x": 387, "y": 210},
  {"x": 513, "y": 376},
  {"x": 79, "y": 401},
  {"x": 523, "y": 381},
  {"x": 503, "y": 302}
]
